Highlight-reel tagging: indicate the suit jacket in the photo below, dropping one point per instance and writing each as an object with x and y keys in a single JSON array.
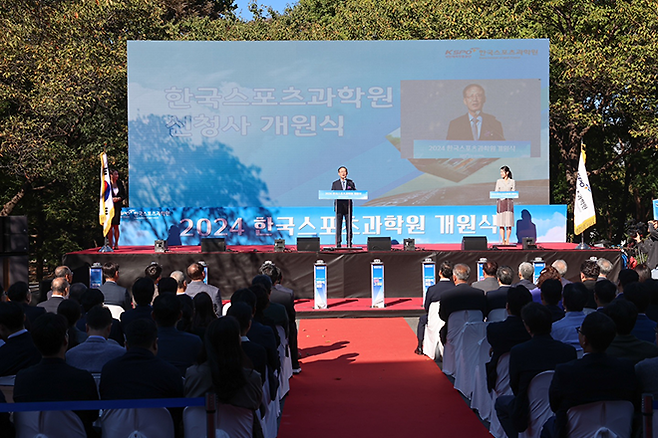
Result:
[
  {"x": 53, "y": 379},
  {"x": 92, "y": 354},
  {"x": 51, "y": 304},
  {"x": 631, "y": 348},
  {"x": 31, "y": 313},
  {"x": 556, "y": 313},
  {"x": 497, "y": 299},
  {"x": 116, "y": 332},
  {"x": 139, "y": 312},
  {"x": 595, "y": 377},
  {"x": 257, "y": 354},
  {"x": 194, "y": 287},
  {"x": 645, "y": 329},
  {"x": 486, "y": 285},
  {"x": 460, "y": 129},
  {"x": 278, "y": 314},
  {"x": 198, "y": 381},
  {"x": 286, "y": 297},
  {"x": 18, "y": 353},
  {"x": 179, "y": 348},
  {"x": 460, "y": 297},
  {"x": 342, "y": 205},
  {"x": 117, "y": 295},
  {"x": 502, "y": 336},
  {"x": 263, "y": 336},
  {"x": 590, "y": 284},
  {"x": 540, "y": 353},
  {"x": 435, "y": 292},
  {"x": 525, "y": 283}
]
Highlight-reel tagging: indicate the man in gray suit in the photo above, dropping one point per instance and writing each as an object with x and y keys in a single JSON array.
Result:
[
  {"x": 197, "y": 274},
  {"x": 113, "y": 293},
  {"x": 489, "y": 282},
  {"x": 97, "y": 350},
  {"x": 60, "y": 288}
]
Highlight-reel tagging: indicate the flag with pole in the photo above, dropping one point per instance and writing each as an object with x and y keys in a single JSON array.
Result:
[
  {"x": 584, "y": 215},
  {"x": 106, "y": 211}
]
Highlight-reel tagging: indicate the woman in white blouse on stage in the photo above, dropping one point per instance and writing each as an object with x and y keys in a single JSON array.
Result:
[{"x": 505, "y": 207}]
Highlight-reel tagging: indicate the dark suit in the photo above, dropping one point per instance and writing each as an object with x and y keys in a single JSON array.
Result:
[
  {"x": 18, "y": 353},
  {"x": 595, "y": 377},
  {"x": 434, "y": 294},
  {"x": 541, "y": 353},
  {"x": 631, "y": 348},
  {"x": 51, "y": 304},
  {"x": 117, "y": 295},
  {"x": 180, "y": 349},
  {"x": 53, "y": 379},
  {"x": 497, "y": 299},
  {"x": 460, "y": 129},
  {"x": 344, "y": 208},
  {"x": 257, "y": 354},
  {"x": 31, "y": 313},
  {"x": 93, "y": 353},
  {"x": 556, "y": 313},
  {"x": 502, "y": 336},
  {"x": 590, "y": 284},
  {"x": 286, "y": 297},
  {"x": 460, "y": 297},
  {"x": 645, "y": 329},
  {"x": 139, "y": 312},
  {"x": 263, "y": 336},
  {"x": 486, "y": 285}
]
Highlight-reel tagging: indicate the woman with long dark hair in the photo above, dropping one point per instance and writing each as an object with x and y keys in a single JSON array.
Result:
[
  {"x": 204, "y": 314},
  {"x": 505, "y": 207}
]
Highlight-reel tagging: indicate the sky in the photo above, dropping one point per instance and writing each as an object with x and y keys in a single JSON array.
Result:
[{"x": 277, "y": 5}]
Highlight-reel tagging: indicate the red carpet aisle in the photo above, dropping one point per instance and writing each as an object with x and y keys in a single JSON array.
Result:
[{"x": 361, "y": 378}]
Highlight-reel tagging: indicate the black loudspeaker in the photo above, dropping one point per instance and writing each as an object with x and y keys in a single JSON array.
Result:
[
  {"x": 213, "y": 245},
  {"x": 13, "y": 234},
  {"x": 529, "y": 243},
  {"x": 309, "y": 244},
  {"x": 379, "y": 243},
  {"x": 474, "y": 243},
  {"x": 410, "y": 244}
]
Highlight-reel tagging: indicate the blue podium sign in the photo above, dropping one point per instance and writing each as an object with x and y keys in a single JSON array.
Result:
[
  {"x": 343, "y": 194},
  {"x": 503, "y": 195}
]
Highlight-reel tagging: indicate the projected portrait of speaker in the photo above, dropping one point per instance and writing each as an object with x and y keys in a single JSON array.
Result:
[
  {"x": 475, "y": 124},
  {"x": 343, "y": 207}
]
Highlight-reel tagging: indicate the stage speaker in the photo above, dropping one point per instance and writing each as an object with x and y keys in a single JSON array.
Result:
[
  {"x": 308, "y": 244},
  {"x": 213, "y": 245},
  {"x": 160, "y": 246},
  {"x": 410, "y": 244},
  {"x": 529, "y": 243},
  {"x": 474, "y": 243},
  {"x": 13, "y": 234},
  {"x": 379, "y": 243},
  {"x": 279, "y": 245}
]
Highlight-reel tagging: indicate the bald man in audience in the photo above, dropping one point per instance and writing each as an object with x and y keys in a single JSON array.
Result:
[{"x": 60, "y": 288}]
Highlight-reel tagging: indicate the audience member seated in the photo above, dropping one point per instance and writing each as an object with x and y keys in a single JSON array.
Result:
[
  {"x": 434, "y": 294},
  {"x": 60, "y": 272},
  {"x": 178, "y": 348},
  {"x": 76, "y": 290},
  {"x": 53, "y": 379},
  {"x": 541, "y": 353},
  {"x": 184, "y": 324},
  {"x": 605, "y": 292},
  {"x": 274, "y": 312},
  {"x": 140, "y": 373},
  {"x": 551, "y": 295},
  {"x": 652, "y": 311},
  {"x": 197, "y": 274},
  {"x": 589, "y": 273},
  {"x": 70, "y": 310},
  {"x": 286, "y": 297},
  {"x": 224, "y": 368},
  {"x": 643, "y": 272},
  {"x": 562, "y": 269},
  {"x": 203, "y": 314},
  {"x": 626, "y": 345},
  {"x": 548, "y": 273},
  {"x": 97, "y": 350},
  {"x": 255, "y": 352},
  {"x": 143, "y": 290},
  {"x": 60, "y": 289},
  {"x": 19, "y": 351},
  {"x": 647, "y": 374},
  {"x": 605, "y": 268},
  {"x": 574, "y": 298},
  {"x": 489, "y": 282},
  {"x": 638, "y": 294},
  {"x": 154, "y": 273},
  {"x": 497, "y": 299},
  {"x": 113, "y": 293},
  {"x": 168, "y": 285},
  {"x": 181, "y": 281},
  {"x": 526, "y": 275},
  {"x": 460, "y": 297},
  {"x": 626, "y": 277},
  {"x": 94, "y": 297},
  {"x": 595, "y": 377},
  {"x": 19, "y": 292},
  {"x": 503, "y": 335}
]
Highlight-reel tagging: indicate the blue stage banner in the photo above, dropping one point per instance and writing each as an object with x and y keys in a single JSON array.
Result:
[{"x": 260, "y": 226}]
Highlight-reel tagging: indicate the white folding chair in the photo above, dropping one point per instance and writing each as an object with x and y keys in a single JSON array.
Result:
[
  {"x": 467, "y": 356},
  {"x": 225, "y": 308},
  {"x": 49, "y": 424},
  {"x": 7, "y": 387},
  {"x": 481, "y": 400},
  {"x": 115, "y": 310},
  {"x": 502, "y": 388},
  {"x": 432, "y": 346},
  {"x": 456, "y": 322},
  {"x": 497, "y": 315},
  {"x": 604, "y": 419},
  {"x": 137, "y": 423},
  {"x": 540, "y": 408},
  {"x": 286, "y": 363},
  {"x": 230, "y": 422},
  {"x": 269, "y": 421}
]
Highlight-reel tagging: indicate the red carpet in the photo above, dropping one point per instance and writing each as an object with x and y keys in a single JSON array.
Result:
[{"x": 361, "y": 378}]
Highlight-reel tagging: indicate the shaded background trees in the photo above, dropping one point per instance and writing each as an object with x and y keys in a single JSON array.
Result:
[{"x": 63, "y": 90}]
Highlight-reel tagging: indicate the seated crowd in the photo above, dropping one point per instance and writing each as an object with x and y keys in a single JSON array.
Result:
[
  {"x": 589, "y": 332},
  {"x": 167, "y": 337}
]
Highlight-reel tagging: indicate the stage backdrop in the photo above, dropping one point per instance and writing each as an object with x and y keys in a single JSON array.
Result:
[{"x": 252, "y": 131}]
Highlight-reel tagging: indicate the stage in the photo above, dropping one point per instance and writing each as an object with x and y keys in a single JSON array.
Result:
[{"x": 348, "y": 271}]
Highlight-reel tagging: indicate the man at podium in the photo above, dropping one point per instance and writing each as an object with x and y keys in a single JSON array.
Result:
[{"x": 343, "y": 207}]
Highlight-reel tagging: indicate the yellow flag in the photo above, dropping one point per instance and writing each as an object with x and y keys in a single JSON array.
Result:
[{"x": 106, "y": 211}]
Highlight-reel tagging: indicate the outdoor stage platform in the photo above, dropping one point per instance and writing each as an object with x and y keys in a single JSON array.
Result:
[{"x": 348, "y": 271}]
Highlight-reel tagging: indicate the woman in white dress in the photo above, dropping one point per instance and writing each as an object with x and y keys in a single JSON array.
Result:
[{"x": 505, "y": 207}]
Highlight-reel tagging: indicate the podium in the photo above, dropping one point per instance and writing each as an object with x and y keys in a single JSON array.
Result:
[
  {"x": 344, "y": 195},
  {"x": 503, "y": 195}
]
